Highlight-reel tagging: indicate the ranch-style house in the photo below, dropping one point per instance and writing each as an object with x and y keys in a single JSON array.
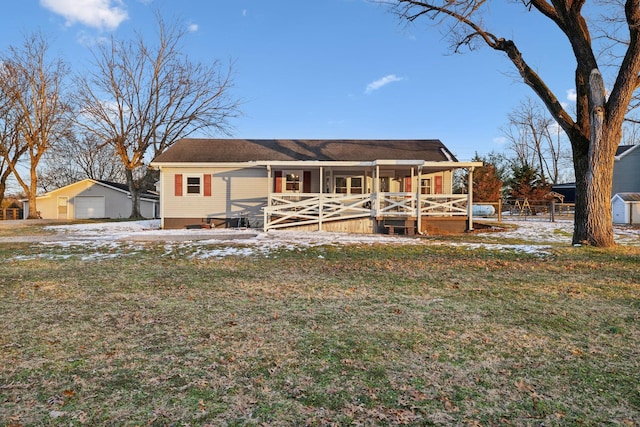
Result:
[{"x": 365, "y": 186}]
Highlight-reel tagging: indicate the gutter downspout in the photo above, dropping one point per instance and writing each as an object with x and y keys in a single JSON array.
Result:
[{"x": 160, "y": 200}]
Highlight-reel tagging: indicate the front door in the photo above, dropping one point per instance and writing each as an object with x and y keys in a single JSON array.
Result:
[{"x": 63, "y": 207}]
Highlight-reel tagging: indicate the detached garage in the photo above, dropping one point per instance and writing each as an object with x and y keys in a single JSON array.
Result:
[
  {"x": 626, "y": 208},
  {"x": 92, "y": 199}
]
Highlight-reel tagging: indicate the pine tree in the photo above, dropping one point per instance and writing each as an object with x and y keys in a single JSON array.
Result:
[
  {"x": 527, "y": 183},
  {"x": 487, "y": 186}
]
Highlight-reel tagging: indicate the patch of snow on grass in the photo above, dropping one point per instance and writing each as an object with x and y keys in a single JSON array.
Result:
[
  {"x": 537, "y": 231},
  {"x": 540, "y": 250},
  {"x": 110, "y": 239}
]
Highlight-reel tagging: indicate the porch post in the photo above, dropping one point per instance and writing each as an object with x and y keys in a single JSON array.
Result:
[
  {"x": 470, "y": 200},
  {"x": 320, "y": 199},
  {"x": 377, "y": 189},
  {"x": 418, "y": 201},
  {"x": 269, "y": 187}
]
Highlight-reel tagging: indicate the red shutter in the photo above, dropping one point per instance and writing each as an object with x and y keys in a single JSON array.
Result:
[
  {"x": 407, "y": 184},
  {"x": 438, "y": 184},
  {"x": 178, "y": 184},
  {"x": 278, "y": 183},
  {"x": 207, "y": 184},
  {"x": 306, "y": 182}
]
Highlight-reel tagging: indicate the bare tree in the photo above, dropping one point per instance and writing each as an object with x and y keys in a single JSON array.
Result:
[
  {"x": 32, "y": 88},
  {"x": 11, "y": 148},
  {"x": 75, "y": 159},
  {"x": 596, "y": 129},
  {"x": 614, "y": 38},
  {"x": 142, "y": 97},
  {"x": 631, "y": 133},
  {"x": 536, "y": 140}
]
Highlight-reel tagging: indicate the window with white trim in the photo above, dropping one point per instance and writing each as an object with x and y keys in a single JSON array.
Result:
[
  {"x": 356, "y": 185},
  {"x": 292, "y": 181},
  {"x": 194, "y": 185},
  {"x": 425, "y": 186},
  {"x": 349, "y": 184},
  {"x": 341, "y": 185}
]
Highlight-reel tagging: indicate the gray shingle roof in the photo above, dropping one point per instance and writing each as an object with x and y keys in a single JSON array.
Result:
[
  {"x": 629, "y": 197},
  {"x": 623, "y": 149},
  {"x": 190, "y": 150}
]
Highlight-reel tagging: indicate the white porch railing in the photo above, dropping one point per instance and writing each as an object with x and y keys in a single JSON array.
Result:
[
  {"x": 396, "y": 204},
  {"x": 286, "y": 210},
  {"x": 404, "y": 204},
  {"x": 444, "y": 205}
]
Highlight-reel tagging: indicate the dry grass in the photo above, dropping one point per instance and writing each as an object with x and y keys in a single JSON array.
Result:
[{"x": 322, "y": 336}]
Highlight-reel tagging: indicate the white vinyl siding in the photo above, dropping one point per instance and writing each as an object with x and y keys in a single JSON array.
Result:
[{"x": 233, "y": 192}]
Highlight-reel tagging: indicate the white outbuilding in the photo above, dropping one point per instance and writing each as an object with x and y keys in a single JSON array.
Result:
[
  {"x": 91, "y": 199},
  {"x": 626, "y": 208}
]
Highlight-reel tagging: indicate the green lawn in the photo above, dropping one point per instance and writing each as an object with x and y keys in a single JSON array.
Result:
[{"x": 351, "y": 335}]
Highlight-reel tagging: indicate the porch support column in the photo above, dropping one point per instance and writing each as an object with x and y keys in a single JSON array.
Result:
[
  {"x": 470, "y": 200},
  {"x": 376, "y": 189},
  {"x": 413, "y": 178},
  {"x": 269, "y": 187},
  {"x": 321, "y": 199},
  {"x": 419, "y": 202}
]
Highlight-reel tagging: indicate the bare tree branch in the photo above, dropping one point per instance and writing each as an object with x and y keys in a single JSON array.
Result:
[
  {"x": 593, "y": 152},
  {"x": 33, "y": 90},
  {"x": 141, "y": 97}
]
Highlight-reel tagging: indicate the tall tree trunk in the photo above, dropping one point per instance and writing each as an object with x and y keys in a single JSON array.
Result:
[
  {"x": 3, "y": 188},
  {"x": 594, "y": 174},
  {"x": 580, "y": 167},
  {"x": 135, "y": 195},
  {"x": 33, "y": 192}
]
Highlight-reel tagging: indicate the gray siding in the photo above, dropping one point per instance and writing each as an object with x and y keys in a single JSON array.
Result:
[{"x": 626, "y": 173}]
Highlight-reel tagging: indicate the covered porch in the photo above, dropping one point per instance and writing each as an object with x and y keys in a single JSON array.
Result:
[{"x": 389, "y": 195}]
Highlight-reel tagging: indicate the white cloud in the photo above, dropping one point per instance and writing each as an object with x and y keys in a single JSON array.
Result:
[
  {"x": 88, "y": 40},
  {"x": 101, "y": 14},
  {"x": 382, "y": 82},
  {"x": 193, "y": 28},
  {"x": 571, "y": 95},
  {"x": 500, "y": 140}
]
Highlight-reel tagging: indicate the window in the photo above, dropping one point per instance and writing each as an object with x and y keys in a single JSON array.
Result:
[
  {"x": 349, "y": 184},
  {"x": 193, "y": 185},
  {"x": 425, "y": 186},
  {"x": 292, "y": 182},
  {"x": 356, "y": 185},
  {"x": 341, "y": 185}
]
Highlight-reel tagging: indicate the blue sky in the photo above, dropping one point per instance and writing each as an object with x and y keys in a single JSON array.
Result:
[{"x": 327, "y": 68}]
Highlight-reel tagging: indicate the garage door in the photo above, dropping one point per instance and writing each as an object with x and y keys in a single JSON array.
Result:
[{"x": 89, "y": 207}]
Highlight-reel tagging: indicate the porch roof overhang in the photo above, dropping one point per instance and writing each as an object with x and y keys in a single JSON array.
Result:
[{"x": 427, "y": 166}]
